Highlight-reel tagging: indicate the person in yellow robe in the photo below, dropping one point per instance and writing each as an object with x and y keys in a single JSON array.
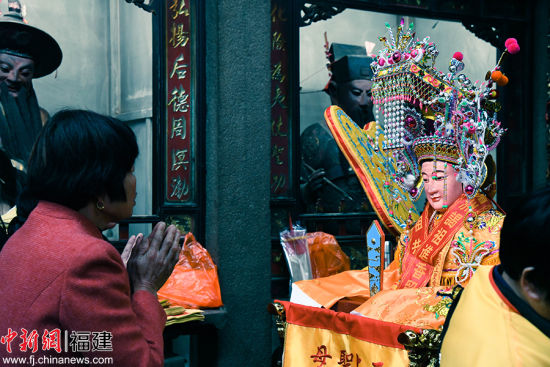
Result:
[{"x": 503, "y": 317}]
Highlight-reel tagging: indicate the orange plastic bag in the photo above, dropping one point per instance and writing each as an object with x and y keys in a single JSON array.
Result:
[
  {"x": 326, "y": 255},
  {"x": 194, "y": 281}
]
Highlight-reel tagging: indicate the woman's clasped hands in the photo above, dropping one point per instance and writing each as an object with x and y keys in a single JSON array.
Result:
[{"x": 150, "y": 260}]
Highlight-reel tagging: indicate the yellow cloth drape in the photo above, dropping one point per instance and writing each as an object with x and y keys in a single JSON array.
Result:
[
  {"x": 315, "y": 336},
  {"x": 329, "y": 290},
  {"x": 414, "y": 307}
]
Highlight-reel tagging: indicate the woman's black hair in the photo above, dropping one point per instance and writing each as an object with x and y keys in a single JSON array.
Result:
[
  {"x": 524, "y": 239},
  {"x": 79, "y": 156}
]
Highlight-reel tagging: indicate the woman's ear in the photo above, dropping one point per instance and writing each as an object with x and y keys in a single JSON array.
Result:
[
  {"x": 537, "y": 298},
  {"x": 101, "y": 201},
  {"x": 529, "y": 290}
]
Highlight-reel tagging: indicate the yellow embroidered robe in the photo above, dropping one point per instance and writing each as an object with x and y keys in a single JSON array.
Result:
[
  {"x": 459, "y": 258},
  {"x": 456, "y": 263}
]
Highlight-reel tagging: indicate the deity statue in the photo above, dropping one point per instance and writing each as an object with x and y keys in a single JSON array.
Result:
[{"x": 433, "y": 132}]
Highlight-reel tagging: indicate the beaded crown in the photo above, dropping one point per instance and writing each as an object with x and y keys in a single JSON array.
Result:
[{"x": 429, "y": 115}]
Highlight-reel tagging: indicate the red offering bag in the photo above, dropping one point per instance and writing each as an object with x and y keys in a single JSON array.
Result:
[
  {"x": 326, "y": 255},
  {"x": 194, "y": 281}
]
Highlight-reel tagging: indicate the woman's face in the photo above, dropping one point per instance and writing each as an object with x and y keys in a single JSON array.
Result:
[
  {"x": 118, "y": 210},
  {"x": 434, "y": 177}
]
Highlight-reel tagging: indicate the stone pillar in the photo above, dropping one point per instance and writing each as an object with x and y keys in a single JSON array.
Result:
[{"x": 237, "y": 173}]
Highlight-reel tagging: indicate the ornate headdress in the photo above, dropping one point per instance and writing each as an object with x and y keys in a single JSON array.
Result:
[{"x": 429, "y": 115}]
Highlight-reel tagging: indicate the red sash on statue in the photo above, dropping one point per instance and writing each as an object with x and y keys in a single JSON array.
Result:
[{"x": 424, "y": 248}]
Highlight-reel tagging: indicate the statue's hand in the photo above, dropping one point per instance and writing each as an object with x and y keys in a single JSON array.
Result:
[{"x": 309, "y": 190}]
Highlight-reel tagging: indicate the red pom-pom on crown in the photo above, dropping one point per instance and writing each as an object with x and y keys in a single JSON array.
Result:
[
  {"x": 513, "y": 48},
  {"x": 512, "y": 45},
  {"x": 458, "y": 55},
  {"x": 510, "y": 40}
]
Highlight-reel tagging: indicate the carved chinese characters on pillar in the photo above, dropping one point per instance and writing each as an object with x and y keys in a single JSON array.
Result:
[
  {"x": 180, "y": 168},
  {"x": 280, "y": 147}
]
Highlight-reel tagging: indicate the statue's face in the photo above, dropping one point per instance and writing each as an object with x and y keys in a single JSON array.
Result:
[
  {"x": 15, "y": 72},
  {"x": 440, "y": 184},
  {"x": 354, "y": 97}
]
